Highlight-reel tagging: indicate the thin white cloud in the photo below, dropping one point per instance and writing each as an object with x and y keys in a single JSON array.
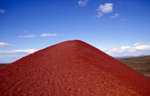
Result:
[
  {"x": 25, "y": 31},
  {"x": 48, "y": 34},
  {"x": 15, "y": 52},
  {"x": 5, "y": 44},
  {"x": 115, "y": 16},
  {"x": 135, "y": 50},
  {"x": 141, "y": 47},
  {"x": 27, "y": 36},
  {"x": 104, "y": 9},
  {"x": 99, "y": 14},
  {"x": 13, "y": 55},
  {"x": 136, "y": 44},
  {"x": 2, "y": 11},
  {"x": 82, "y": 3}
]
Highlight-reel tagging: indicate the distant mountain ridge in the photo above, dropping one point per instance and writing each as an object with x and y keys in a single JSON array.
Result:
[{"x": 128, "y": 57}]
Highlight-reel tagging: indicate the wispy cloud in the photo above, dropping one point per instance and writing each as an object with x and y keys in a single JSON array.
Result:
[
  {"x": 115, "y": 16},
  {"x": 25, "y": 31},
  {"x": 2, "y": 44},
  {"x": 135, "y": 50},
  {"x": 82, "y": 3},
  {"x": 26, "y": 51},
  {"x": 27, "y": 36},
  {"x": 104, "y": 9},
  {"x": 48, "y": 34},
  {"x": 2, "y": 11},
  {"x": 12, "y": 55}
]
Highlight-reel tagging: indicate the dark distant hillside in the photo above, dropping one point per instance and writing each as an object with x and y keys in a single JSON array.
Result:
[
  {"x": 2, "y": 65},
  {"x": 140, "y": 64}
]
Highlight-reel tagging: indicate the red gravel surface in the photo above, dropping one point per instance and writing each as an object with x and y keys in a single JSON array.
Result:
[{"x": 71, "y": 68}]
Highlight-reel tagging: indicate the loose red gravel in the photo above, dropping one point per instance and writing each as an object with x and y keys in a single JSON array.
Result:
[{"x": 71, "y": 68}]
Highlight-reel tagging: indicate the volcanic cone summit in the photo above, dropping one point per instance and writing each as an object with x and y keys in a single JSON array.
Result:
[{"x": 71, "y": 68}]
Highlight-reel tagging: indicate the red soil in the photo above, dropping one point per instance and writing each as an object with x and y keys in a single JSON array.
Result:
[{"x": 71, "y": 68}]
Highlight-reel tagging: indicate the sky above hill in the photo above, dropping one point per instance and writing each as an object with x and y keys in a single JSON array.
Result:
[{"x": 117, "y": 27}]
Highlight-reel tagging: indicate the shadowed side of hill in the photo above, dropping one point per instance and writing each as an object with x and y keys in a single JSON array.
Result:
[{"x": 71, "y": 68}]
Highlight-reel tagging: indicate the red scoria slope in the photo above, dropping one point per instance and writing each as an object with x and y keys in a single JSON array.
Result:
[{"x": 71, "y": 68}]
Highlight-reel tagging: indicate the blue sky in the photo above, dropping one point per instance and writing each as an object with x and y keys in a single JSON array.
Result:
[{"x": 117, "y": 27}]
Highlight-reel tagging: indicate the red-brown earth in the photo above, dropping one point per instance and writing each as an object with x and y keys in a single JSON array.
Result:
[{"x": 71, "y": 68}]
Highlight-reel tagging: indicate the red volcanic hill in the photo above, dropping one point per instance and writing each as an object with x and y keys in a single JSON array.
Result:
[{"x": 71, "y": 68}]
